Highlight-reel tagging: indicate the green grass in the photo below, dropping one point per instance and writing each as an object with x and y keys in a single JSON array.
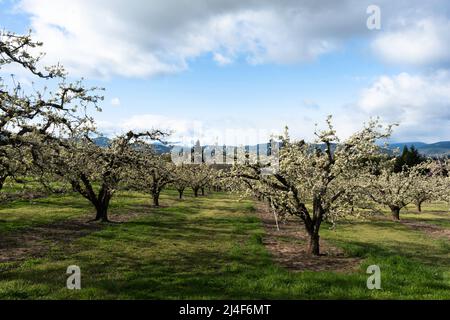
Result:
[
  {"x": 437, "y": 213},
  {"x": 21, "y": 214},
  {"x": 210, "y": 248},
  {"x": 27, "y": 183}
]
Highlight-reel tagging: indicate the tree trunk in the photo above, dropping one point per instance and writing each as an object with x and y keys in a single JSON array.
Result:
[
  {"x": 156, "y": 199},
  {"x": 313, "y": 245},
  {"x": 419, "y": 206},
  {"x": 195, "y": 192},
  {"x": 102, "y": 213},
  {"x": 102, "y": 204},
  {"x": 203, "y": 191},
  {"x": 313, "y": 226},
  {"x": 180, "y": 192},
  {"x": 2, "y": 181},
  {"x": 395, "y": 213}
]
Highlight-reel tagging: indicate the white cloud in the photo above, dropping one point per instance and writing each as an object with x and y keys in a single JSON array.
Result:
[
  {"x": 232, "y": 131},
  {"x": 135, "y": 38},
  {"x": 221, "y": 59},
  {"x": 149, "y": 121},
  {"x": 115, "y": 102},
  {"x": 416, "y": 42},
  {"x": 419, "y": 103},
  {"x": 180, "y": 129}
]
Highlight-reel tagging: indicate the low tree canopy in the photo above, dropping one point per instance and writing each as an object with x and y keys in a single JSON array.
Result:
[
  {"x": 152, "y": 173},
  {"x": 93, "y": 171},
  {"x": 315, "y": 173}
]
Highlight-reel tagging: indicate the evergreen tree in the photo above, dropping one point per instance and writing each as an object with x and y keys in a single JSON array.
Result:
[{"x": 409, "y": 158}]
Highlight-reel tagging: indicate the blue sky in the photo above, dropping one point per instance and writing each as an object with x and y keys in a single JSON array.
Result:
[{"x": 201, "y": 69}]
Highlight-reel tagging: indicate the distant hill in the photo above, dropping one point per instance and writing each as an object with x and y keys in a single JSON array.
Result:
[
  {"x": 102, "y": 141},
  {"x": 401, "y": 145},
  {"x": 438, "y": 149},
  {"x": 159, "y": 147}
]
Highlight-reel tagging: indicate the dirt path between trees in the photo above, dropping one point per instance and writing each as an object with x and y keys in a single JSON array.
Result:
[
  {"x": 36, "y": 241},
  {"x": 288, "y": 246},
  {"x": 428, "y": 228}
]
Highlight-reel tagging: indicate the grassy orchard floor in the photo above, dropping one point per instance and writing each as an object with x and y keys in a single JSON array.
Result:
[{"x": 211, "y": 248}]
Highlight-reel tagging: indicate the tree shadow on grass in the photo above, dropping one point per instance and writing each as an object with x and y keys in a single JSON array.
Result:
[
  {"x": 213, "y": 275},
  {"x": 35, "y": 241}
]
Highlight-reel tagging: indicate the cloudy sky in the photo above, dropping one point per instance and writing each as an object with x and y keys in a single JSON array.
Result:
[{"x": 221, "y": 68}]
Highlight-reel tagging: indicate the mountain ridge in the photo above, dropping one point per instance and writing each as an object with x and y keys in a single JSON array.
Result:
[{"x": 436, "y": 149}]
